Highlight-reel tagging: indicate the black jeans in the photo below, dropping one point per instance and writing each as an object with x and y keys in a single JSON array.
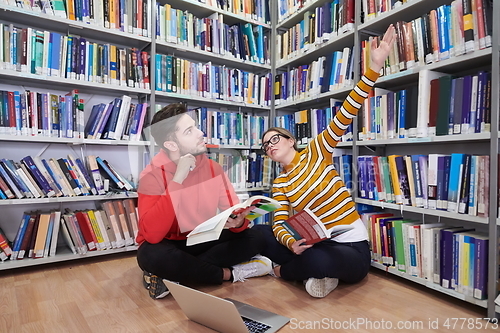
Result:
[
  {"x": 200, "y": 263},
  {"x": 349, "y": 262}
]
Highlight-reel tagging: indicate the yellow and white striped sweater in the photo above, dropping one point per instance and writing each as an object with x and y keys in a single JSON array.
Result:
[{"x": 311, "y": 181}]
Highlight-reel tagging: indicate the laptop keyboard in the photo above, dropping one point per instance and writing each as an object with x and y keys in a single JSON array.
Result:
[{"x": 255, "y": 326}]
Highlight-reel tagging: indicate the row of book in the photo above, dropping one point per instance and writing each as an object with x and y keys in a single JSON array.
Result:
[
  {"x": 257, "y": 10},
  {"x": 343, "y": 165},
  {"x": 212, "y": 81},
  {"x": 448, "y": 31},
  {"x": 46, "y": 53},
  {"x": 319, "y": 25},
  {"x": 35, "y": 177},
  {"x": 131, "y": 16},
  {"x": 453, "y": 257},
  {"x": 371, "y": 9},
  {"x": 327, "y": 73},
  {"x": 230, "y": 128},
  {"x": 117, "y": 120},
  {"x": 31, "y": 113},
  {"x": 307, "y": 124},
  {"x": 457, "y": 183},
  {"x": 112, "y": 226},
  {"x": 440, "y": 105},
  {"x": 242, "y": 41},
  {"x": 245, "y": 169},
  {"x": 287, "y": 8}
]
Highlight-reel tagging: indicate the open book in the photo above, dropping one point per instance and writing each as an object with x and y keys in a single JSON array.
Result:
[
  {"x": 306, "y": 225},
  {"x": 212, "y": 228}
]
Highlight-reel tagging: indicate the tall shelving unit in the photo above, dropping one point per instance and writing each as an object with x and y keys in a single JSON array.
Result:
[
  {"x": 129, "y": 156},
  {"x": 200, "y": 9},
  {"x": 484, "y": 143}
]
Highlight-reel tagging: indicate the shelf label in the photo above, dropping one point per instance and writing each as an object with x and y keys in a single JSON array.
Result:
[{"x": 413, "y": 140}]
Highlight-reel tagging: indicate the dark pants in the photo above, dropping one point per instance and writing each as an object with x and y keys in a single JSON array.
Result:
[
  {"x": 201, "y": 263},
  {"x": 348, "y": 262}
]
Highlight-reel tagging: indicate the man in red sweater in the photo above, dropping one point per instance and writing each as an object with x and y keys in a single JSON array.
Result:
[{"x": 178, "y": 190}]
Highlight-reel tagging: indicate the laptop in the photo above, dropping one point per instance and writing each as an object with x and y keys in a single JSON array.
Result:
[{"x": 224, "y": 315}]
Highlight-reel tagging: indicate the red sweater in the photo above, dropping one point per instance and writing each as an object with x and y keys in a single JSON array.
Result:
[{"x": 171, "y": 210}]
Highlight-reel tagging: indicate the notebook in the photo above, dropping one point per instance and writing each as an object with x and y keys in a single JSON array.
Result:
[{"x": 224, "y": 315}]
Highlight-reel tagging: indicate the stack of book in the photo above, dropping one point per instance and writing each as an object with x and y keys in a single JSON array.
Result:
[
  {"x": 72, "y": 57},
  {"x": 118, "y": 120},
  {"x": 31, "y": 113},
  {"x": 113, "y": 226},
  {"x": 243, "y": 41},
  {"x": 328, "y": 73},
  {"x": 440, "y": 105},
  {"x": 453, "y": 257},
  {"x": 318, "y": 26},
  {"x": 307, "y": 124},
  {"x": 35, "y": 177},
  {"x": 230, "y": 128},
  {"x": 257, "y": 10},
  {"x": 446, "y": 32},
  {"x": 457, "y": 183},
  {"x": 182, "y": 76},
  {"x": 130, "y": 16}
]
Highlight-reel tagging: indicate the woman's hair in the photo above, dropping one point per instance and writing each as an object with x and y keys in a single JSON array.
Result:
[
  {"x": 286, "y": 133},
  {"x": 164, "y": 122}
]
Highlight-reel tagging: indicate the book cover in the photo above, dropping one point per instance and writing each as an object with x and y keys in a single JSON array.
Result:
[
  {"x": 306, "y": 225},
  {"x": 41, "y": 235},
  {"x": 481, "y": 266}
]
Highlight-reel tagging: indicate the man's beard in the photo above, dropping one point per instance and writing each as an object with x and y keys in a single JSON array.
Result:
[{"x": 194, "y": 151}]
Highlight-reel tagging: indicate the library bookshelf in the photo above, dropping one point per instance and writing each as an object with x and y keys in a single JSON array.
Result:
[
  {"x": 136, "y": 30},
  {"x": 368, "y": 22}
]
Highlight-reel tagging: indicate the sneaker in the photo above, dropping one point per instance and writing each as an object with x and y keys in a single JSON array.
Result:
[
  {"x": 146, "y": 279},
  {"x": 157, "y": 289},
  {"x": 321, "y": 287},
  {"x": 257, "y": 266}
]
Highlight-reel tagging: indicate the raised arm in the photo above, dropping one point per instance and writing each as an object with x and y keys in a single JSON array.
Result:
[{"x": 329, "y": 138}]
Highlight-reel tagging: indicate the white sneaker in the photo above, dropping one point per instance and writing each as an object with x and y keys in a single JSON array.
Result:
[
  {"x": 321, "y": 287},
  {"x": 257, "y": 266}
]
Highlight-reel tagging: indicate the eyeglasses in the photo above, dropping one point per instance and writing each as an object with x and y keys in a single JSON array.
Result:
[{"x": 274, "y": 140}]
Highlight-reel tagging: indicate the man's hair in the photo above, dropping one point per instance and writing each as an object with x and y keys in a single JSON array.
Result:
[
  {"x": 164, "y": 122},
  {"x": 283, "y": 131}
]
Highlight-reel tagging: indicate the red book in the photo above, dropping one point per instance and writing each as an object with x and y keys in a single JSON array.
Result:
[
  {"x": 4, "y": 244},
  {"x": 306, "y": 225},
  {"x": 86, "y": 228},
  {"x": 378, "y": 180},
  {"x": 376, "y": 236},
  {"x": 145, "y": 68},
  {"x": 12, "y": 110},
  {"x": 433, "y": 106}
]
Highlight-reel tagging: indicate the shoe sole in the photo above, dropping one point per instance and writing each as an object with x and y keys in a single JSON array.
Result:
[{"x": 320, "y": 288}]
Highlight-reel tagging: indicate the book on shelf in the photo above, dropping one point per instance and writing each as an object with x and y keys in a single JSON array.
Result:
[
  {"x": 212, "y": 228},
  {"x": 306, "y": 225},
  {"x": 5, "y": 245},
  {"x": 41, "y": 235},
  {"x": 83, "y": 223},
  {"x": 114, "y": 223},
  {"x": 122, "y": 222},
  {"x": 75, "y": 233}
]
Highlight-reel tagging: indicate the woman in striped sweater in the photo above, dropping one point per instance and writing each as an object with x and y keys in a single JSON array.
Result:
[{"x": 309, "y": 180}]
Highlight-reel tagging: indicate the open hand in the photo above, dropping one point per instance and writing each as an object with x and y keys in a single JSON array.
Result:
[{"x": 379, "y": 53}]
